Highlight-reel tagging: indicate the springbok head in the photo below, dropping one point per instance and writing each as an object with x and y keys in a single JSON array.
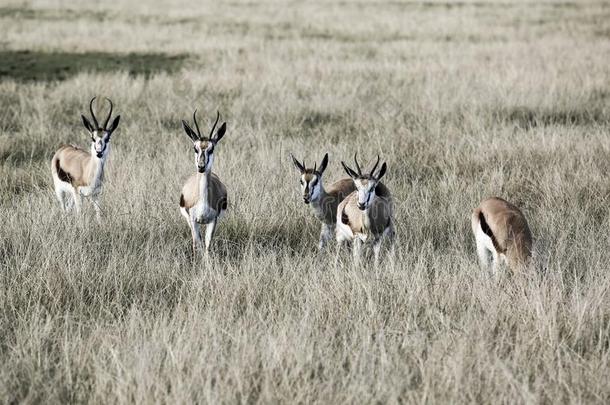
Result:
[
  {"x": 365, "y": 183},
  {"x": 100, "y": 135},
  {"x": 311, "y": 179},
  {"x": 204, "y": 147}
]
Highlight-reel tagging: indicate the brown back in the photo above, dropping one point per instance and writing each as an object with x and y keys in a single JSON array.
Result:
[
  {"x": 71, "y": 164},
  {"x": 334, "y": 194}
]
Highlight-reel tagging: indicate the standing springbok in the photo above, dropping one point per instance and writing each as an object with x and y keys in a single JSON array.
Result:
[
  {"x": 367, "y": 212},
  {"x": 501, "y": 231},
  {"x": 324, "y": 202},
  {"x": 204, "y": 197},
  {"x": 78, "y": 173}
]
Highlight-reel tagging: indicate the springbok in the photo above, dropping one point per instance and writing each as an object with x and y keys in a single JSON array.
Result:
[
  {"x": 367, "y": 212},
  {"x": 76, "y": 172},
  {"x": 204, "y": 197},
  {"x": 501, "y": 232},
  {"x": 324, "y": 202}
]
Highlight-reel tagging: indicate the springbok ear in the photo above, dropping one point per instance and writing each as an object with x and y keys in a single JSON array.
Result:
[
  {"x": 221, "y": 132},
  {"x": 189, "y": 131},
  {"x": 87, "y": 124},
  {"x": 297, "y": 164},
  {"x": 323, "y": 164},
  {"x": 382, "y": 171},
  {"x": 349, "y": 171},
  {"x": 115, "y": 124}
]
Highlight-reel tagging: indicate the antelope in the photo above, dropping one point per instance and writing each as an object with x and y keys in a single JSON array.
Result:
[
  {"x": 501, "y": 232},
  {"x": 367, "y": 212},
  {"x": 323, "y": 201},
  {"x": 204, "y": 197},
  {"x": 76, "y": 172}
]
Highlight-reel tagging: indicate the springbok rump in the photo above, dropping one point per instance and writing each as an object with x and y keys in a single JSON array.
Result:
[
  {"x": 501, "y": 233},
  {"x": 76, "y": 172}
]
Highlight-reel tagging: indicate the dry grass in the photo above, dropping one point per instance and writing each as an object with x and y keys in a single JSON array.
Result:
[{"x": 463, "y": 100}]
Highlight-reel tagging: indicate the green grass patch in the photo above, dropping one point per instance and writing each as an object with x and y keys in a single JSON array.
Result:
[{"x": 49, "y": 66}]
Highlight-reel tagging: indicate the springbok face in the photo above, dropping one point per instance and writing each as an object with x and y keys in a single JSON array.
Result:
[
  {"x": 311, "y": 179},
  {"x": 365, "y": 183},
  {"x": 100, "y": 135},
  {"x": 204, "y": 147}
]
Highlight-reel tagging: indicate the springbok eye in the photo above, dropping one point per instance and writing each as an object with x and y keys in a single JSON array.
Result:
[{"x": 302, "y": 182}]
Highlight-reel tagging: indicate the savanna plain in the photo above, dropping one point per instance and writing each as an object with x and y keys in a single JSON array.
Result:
[{"x": 463, "y": 100}]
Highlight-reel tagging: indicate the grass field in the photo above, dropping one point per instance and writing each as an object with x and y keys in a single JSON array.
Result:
[{"x": 462, "y": 99}]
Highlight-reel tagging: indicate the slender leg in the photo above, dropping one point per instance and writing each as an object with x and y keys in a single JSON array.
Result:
[
  {"x": 357, "y": 242},
  {"x": 62, "y": 194},
  {"x": 196, "y": 234},
  {"x": 77, "y": 198},
  {"x": 486, "y": 260},
  {"x": 340, "y": 237},
  {"x": 96, "y": 205},
  {"x": 325, "y": 234},
  {"x": 61, "y": 197},
  {"x": 377, "y": 248},
  {"x": 495, "y": 262},
  {"x": 209, "y": 234}
]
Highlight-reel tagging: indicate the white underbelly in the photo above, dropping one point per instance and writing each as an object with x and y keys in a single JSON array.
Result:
[
  {"x": 204, "y": 214},
  {"x": 89, "y": 191}
]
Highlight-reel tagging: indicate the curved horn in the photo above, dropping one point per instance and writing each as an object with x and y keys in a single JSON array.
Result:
[
  {"x": 357, "y": 165},
  {"x": 214, "y": 127},
  {"x": 109, "y": 114},
  {"x": 92, "y": 114},
  {"x": 196, "y": 124},
  {"x": 375, "y": 167}
]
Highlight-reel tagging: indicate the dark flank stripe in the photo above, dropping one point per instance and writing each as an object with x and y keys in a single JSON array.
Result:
[
  {"x": 62, "y": 174},
  {"x": 487, "y": 231},
  {"x": 344, "y": 217}
]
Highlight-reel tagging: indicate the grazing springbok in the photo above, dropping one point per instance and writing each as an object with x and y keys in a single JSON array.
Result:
[
  {"x": 204, "y": 197},
  {"x": 367, "y": 212},
  {"x": 324, "y": 202},
  {"x": 76, "y": 172},
  {"x": 501, "y": 232}
]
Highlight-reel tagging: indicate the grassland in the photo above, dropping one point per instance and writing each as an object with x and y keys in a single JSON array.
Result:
[{"x": 463, "y": 100}]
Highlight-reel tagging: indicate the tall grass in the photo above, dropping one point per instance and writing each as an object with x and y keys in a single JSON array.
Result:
[{"x": 463, "y": 100}]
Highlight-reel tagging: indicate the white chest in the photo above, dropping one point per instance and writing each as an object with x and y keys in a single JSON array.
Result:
[{"x": 95, "y": 184}]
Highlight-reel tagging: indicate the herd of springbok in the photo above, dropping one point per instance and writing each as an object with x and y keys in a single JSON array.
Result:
[{"x": 358, "y": 209}]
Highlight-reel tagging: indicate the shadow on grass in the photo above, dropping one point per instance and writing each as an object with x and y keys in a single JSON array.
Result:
[{"x": 49, "y": 66}]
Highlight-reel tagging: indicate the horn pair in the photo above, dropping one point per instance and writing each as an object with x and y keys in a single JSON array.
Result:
[
  {"x": 360, "y": 170},
  {"x": 97, "y": 125},
  {"x": 197, "y": 125}
]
